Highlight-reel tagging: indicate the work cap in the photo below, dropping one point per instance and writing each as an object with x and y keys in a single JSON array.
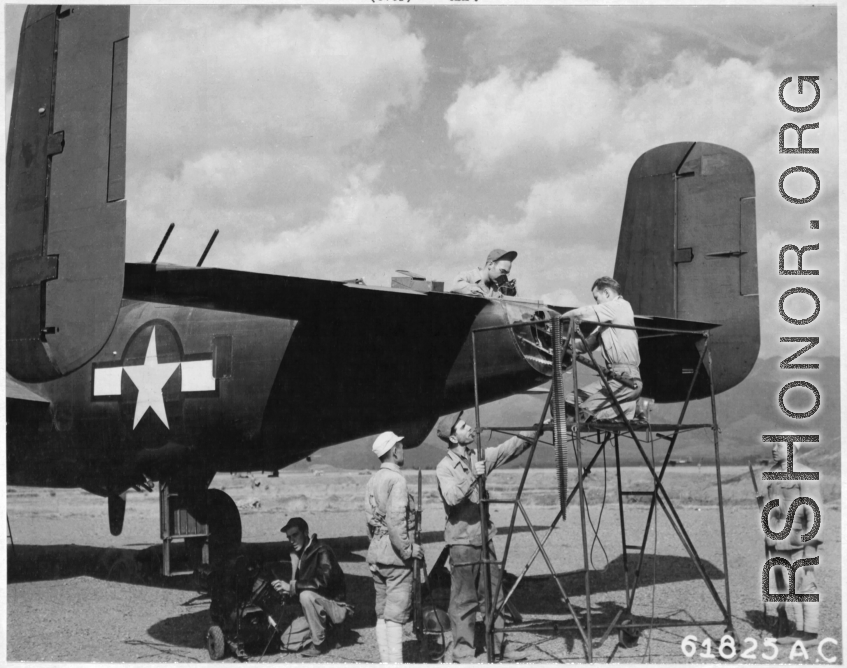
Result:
[
  {"x": 384, "y": 442},
  {"x": 296, "y": 523},
  {"x": 500, "y": 254},
  {"x": 446, "y": 424}
]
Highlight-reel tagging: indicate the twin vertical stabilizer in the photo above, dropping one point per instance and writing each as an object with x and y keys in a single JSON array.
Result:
[
  {"x": 687, "y": 247},
  {"x": 65, "y": 176}
]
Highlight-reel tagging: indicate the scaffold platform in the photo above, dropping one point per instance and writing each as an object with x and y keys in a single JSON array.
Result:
[{"x": 570, "y": 431}]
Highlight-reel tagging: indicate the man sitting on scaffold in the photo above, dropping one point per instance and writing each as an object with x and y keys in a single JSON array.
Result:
[{"x": 620, "y": 353}]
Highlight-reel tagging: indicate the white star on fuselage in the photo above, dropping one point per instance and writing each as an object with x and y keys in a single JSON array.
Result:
[{"x": 150, "y": 378}]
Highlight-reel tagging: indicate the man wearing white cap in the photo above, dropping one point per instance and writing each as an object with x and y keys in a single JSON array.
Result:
[
  {"x": 391, "y": 526},
  {"x": 792, "y": 547},
  {"x": 489, "y": 280}
]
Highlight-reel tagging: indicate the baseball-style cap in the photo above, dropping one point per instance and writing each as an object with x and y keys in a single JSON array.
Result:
[
  {"x": 446, "y": 424},
  {"x": 296, "y": 523},
  {"x": 500, "y": 254},
  {"x": 384, "y": 442}
]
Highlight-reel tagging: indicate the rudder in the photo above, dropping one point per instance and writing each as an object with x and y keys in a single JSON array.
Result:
[
  {"x": 687, "y": 247},
  {"x": 65, "y": 173}
]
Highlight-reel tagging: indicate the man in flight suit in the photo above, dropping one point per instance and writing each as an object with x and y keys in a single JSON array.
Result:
[
  {"x": 391, "y": 526},
  {"x": 317, "y": 582},
  {"x": 792, "y": 547},
  {"x": 486, "y": 281},
  {"x": 457, "y": 474},
  {"x": 620, "y": 352}
]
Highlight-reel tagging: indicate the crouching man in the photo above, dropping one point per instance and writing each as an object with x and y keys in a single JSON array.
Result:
[
  {"x": 317, "y": 581},
  {"x": 391, "y": 526}
]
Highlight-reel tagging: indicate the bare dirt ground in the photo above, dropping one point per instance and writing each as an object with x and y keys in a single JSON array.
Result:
[{"x": 76, "y": 593}]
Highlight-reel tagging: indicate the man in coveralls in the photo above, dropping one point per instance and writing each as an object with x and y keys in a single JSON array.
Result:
[
  {"x": 792, "y": 547},
  {"x": 620, "y": 353},
  {"x": 457, "y": 474},
  {"x": 391, "y": 526}
]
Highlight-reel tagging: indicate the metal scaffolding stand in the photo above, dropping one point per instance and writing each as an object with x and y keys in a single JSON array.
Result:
[{"x": 571, "y": 430}]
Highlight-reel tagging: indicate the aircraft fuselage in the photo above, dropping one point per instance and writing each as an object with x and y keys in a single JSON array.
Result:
[{"x": 177, "y": 386}]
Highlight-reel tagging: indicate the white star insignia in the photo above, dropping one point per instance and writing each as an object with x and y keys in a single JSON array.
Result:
[{"x": 150, "y": 378}]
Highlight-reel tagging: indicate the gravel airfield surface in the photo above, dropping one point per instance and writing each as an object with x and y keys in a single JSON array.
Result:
[{"x": 76, "y": 593}]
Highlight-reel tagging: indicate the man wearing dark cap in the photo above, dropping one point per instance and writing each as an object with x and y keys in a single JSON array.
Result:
[
  {"x": 316, "y": 580},
  {"x": 457, "y": 474},
  {"x": 486, "y": 281}
]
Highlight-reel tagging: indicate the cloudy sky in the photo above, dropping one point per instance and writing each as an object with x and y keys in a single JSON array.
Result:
[{"x": 342, "y": 142}]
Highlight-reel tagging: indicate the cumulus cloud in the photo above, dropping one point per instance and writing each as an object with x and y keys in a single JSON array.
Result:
[
  {"x": 578, "y": 114},
  {"x": 359, "y": 227},
  {"x": 263, "y": 80},
  {"x": 504, "y": 116},
  {"x": 255, "y": 117}
]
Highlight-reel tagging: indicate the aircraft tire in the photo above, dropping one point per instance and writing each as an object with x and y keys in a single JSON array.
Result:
[
  {"x": 628, "y": 638},
  {"x": 224, "y": 520},
  {"x": 215, "y": 643},
  {"x": 221, "y": 516}
]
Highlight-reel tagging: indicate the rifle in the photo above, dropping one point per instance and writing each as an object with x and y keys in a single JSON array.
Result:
[
  {"x": 419, "y": 570},
  {"x": 760, "y": 498}
]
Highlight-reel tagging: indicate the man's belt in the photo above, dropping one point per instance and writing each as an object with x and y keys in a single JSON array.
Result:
[
  {"x": 625, "y": 374},
  {"x": 631, "y": 369}
]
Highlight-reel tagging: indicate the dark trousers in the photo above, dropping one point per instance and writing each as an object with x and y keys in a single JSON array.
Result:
[{"x": 467, "y": 595}]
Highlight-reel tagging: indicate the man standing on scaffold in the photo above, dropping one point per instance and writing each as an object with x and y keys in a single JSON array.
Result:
[{"x": 620, "y": 353}]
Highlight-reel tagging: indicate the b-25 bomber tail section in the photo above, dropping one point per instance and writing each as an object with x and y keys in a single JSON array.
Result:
[
  {"x": 65, "y": 173},
  {"x": 687, "y": 250}
]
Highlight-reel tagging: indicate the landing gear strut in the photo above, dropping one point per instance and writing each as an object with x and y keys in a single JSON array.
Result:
[
  {"x": 223, "y": 521},
  {"x": 207, "y": 520}
]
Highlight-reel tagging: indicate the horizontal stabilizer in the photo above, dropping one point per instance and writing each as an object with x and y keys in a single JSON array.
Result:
[
  {"x": 65, "y": 208},
  {"x": 269, "y": 295}
]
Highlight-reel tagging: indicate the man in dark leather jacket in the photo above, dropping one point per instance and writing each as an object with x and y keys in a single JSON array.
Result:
[{"x": 317, "y": 581}]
